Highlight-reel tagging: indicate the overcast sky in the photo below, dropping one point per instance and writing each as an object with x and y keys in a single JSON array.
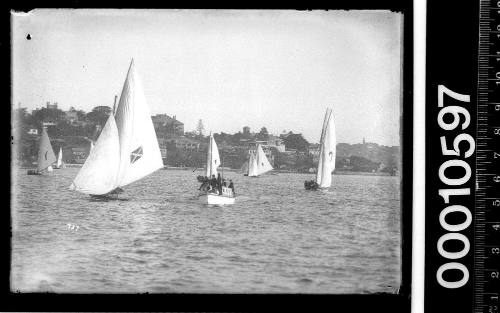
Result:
[{"x": 278, "y": 69}]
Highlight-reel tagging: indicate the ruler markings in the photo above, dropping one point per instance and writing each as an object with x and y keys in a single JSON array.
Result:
[{"x": 486, "y": 97}]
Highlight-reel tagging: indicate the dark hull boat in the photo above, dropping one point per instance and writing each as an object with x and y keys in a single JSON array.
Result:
[
  {"x": 311, "y": 185},
  {"x": 112, "y": 195}
]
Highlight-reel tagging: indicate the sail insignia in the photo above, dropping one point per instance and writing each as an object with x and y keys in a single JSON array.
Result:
[{"x": 135, "y": 155}]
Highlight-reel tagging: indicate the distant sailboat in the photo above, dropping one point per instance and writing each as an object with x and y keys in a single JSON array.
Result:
[
  {"x": 327, "y": 153},
  {"x": 258, "y": 163},
  {"x": 213, "y": 162},
  {"x": 46, "y": 155},
  {"x": 126, "y": 150},
  {"x": 59, "y": 163}
]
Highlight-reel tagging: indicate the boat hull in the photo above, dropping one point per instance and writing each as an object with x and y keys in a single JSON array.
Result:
[
  {"x": 311, "y": 185},
  {"x": 34, "y": 172},
  {"x": 216, "y": 199}
]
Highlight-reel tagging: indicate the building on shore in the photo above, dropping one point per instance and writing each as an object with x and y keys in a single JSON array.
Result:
[
  {"x": 276, "y": 142},
  {"x": 165, "y": 124}
]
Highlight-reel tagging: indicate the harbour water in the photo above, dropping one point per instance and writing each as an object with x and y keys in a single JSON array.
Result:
[{"x": 158, "y": 238}]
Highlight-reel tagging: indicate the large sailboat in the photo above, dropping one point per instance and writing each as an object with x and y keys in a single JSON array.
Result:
[
  {"x": 257, "y": 164},
  {"x": 327, "y": 152},
  {"x": 213, "y": 162},
  {"x": 126, "y": 150},
  {"x": 46, "y": 155}
]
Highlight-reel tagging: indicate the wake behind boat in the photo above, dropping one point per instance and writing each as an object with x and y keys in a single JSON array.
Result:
[
  {"x": 126, "y": 150},
  {"x": 327, "y": 152}
]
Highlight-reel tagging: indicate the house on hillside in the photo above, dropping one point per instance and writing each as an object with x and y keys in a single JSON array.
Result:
[
  {"x": 165, "y": 124},
  {"x": 276, "y": 142}
]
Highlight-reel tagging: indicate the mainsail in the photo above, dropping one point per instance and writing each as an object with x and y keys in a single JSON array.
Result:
[
  {"x": 213, "y": 160},
  {"x": 252, "y": 165},
  {"x": 263, "y": 164},
  {"x": 258, "y": 163},
  {"x": 127, "y": 148},
  {"x": 139, "y": 151},
  {"x": 59, "y": 159},
  {"x": 326, "y": 162},
  {"x": 46, "y": 155}
]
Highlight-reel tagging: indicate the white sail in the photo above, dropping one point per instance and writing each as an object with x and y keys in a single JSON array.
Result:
[
  {"x": 139, "y": 151},
  {"x": 46, "y": 155},
  {"x": 326, "y": 162},
  {"x": 99, "y": 172},
  {"x": 253, "y": 168},
  {"x": 213, "y": 159},
  {"x": 91, "y": 146},
  {"x": 59, "y": 159},
  {"x": 263, "y": 164}
]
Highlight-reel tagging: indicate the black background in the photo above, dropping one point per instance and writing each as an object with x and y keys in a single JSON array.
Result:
[{"x": 452, "y": 39}]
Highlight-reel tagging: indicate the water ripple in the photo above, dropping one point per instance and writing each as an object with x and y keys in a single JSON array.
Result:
[{"x": 277, "y": 238}]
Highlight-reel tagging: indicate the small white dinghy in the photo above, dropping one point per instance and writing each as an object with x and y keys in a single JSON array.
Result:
[
  {"x": 213, "y": 161},
  {"x": 227, "y": 197}
]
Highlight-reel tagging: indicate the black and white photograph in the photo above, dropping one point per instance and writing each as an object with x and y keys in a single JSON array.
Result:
[{"x": 206, "y": 151}]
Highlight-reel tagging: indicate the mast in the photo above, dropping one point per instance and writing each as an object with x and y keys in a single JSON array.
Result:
[
  {"x": 210, "y": 151},
  {"x": 114, "y": 105}
]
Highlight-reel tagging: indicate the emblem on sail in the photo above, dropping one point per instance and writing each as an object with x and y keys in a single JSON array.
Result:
[{"x": 135, "y": 155}]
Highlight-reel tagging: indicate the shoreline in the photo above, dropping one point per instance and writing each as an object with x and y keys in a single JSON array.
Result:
[
  {"x": 174, "y": 168},
  {"x": 281, "y": 171}
]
